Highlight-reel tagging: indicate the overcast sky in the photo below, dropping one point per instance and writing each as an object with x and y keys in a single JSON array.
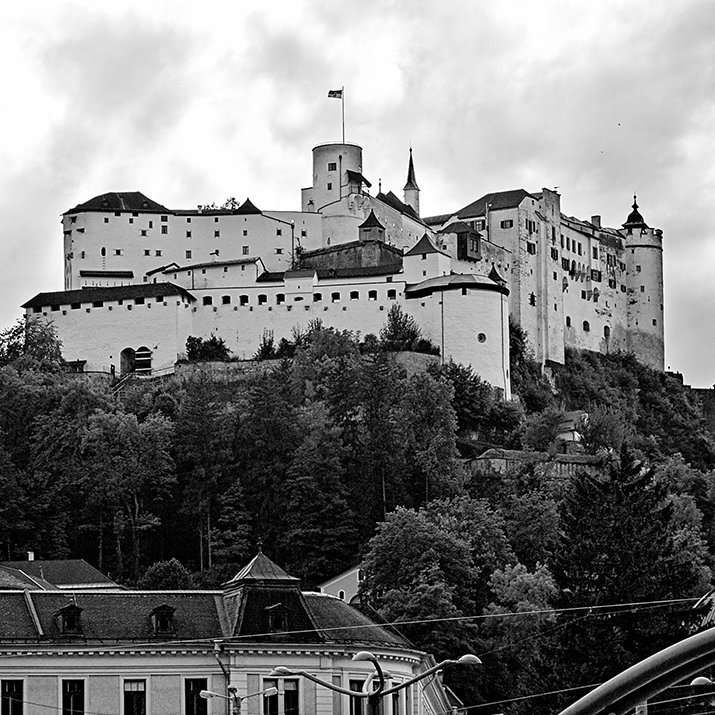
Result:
[{"x": 193, "y": 102}]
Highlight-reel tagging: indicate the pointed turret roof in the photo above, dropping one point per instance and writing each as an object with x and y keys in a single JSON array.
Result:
[
  {"x": 635, "y": 220},
  {"x": 371, "y": 221},
  {"x": 247, "y": 207},
  {"x": 411, "y": 180},
  {"x": 424, "y": 245},
  {"x": 261, "y": 568}
]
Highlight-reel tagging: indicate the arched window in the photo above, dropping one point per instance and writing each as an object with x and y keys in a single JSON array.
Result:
[
  {"x": 568, "y": 321},
  {"x": 280, "y": 299},
  {"x": 606, "y": 332},
  {"x": 262, "y": 299},
  {"x": 226, "y": 300},
  {"x": 335, "y": 297},
  {"x": 354, "y": 295},
  {"x": 126, "y": 361},
  {"x": 142, "y": 360},
  {"x": 243, "y": 300},
  {"x": 586, "y": 326},
  {"x": 317, "y": 297},
  {"x": 372, "y": 295},
  {"x": 391, "y": 294},
  {"x": 208, "y": 300}
]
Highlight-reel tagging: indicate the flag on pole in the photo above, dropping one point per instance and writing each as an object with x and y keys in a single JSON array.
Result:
[{"x": 335, "y": 93}]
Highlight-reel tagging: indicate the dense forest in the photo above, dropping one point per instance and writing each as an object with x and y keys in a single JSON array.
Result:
[{"x": 332, "y": 454}]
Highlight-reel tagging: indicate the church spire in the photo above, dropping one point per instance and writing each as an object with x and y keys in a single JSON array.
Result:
[{"x": 412, "y": 191}]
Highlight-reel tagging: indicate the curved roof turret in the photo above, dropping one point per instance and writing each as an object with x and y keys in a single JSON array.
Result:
[{"x": 635, "y": 220}]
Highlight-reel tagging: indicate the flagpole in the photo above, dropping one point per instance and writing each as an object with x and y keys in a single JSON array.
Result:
[{"x": 342, "y": 101}]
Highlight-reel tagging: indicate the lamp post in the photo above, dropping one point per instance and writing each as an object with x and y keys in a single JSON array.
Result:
[
  {"x": 235, "y": 698},
  {"x": 375, "y": 696}
]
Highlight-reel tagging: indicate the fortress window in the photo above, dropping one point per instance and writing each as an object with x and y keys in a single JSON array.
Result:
[
  {"x": 203, "y": 270},
  {"x": 586, "y": 326},
  {"x": 139, "y": 301},
  {"x": 638, "y": 269},
  {"x": 642, "y": 289},
  {"x": 244, "y": 250},
  {"x": 623, "y": 288},
  {"x": 158, "y": 253},
  {"x": 610, "y": 259},
  {"x": 354, "y": 295},
  {"x": 243, "y": 300},
  {"x": 317, "y": 297},
  {"x": 335, "y": 297},
  {"x": 262, "y": 299},
  {"x": 159, "y": 299},
  {"x": 568, "y": 321},
  {"x": 531, "y": 248},
  {"x": 188, "y": 234},
  {"x": 151, "y": 224},
  {"x": 280, "y": 299},
  {"x": 623, "y": 266},
  {"x": 54, "y": 308},
  {"x": 279, "y": 251},
  {"x": 583, "y": 295},
  {"x": 464, "y": 290},
  {"x": 506, "y": 224},
  {"x": 143, "y": 232},
  {"x": 330, "y": 186},
  {"x": 73, "y": 219},
  {"x": 568, "y": 243},
  {"x": 106, "y": 219},
  {"x": 117, "y": 251},
  {"x": 606, "y": 331},
  {"x": 655, "y": 322},
  {"x": 208, "y": 300},
  {"x": 595, "y": 275},
  {"x": 595, "y": 252},
  {"x": 532, "y": 299},
  {"x": 303, "y": 234},
  {"x": 279, "y": 232},
  {"x": 217, "y": 234},
  {"x": 565, "y": 264},
  {"x": 82, "y": 254},
  {"x": 164, "y": 218},
  {"x": 479, "y": 224},
  {"x": 226, "y": 300},
  {"x": 188, "y": 220},
  {"x": 372, "y": 295},
  {"x": 245, "y": 232},
  {"x": 555, "y": 276},
  {"x": 76, "y": 306},
  {"x": 131, "y": 220},
  {"x": 332, "y": 166},
  {"x": 391, "y": 294},
  {"x": 611, "y": 282},
  {"x": 147, "y": 252},
  {"x": 188, "y": 254},
  {"x": 103, "y": 251},
  {"x": 165, "y": 229},
  {"x": 215, "y": 219}
]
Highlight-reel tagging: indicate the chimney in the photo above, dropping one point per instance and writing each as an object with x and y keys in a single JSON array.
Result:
[
  {"x": 30, "y": 555},
  {"x": 596, "y": 221}
]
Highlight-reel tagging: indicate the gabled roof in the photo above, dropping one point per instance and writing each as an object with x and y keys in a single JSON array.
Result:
[
  {"x": 391, "y": 200},
  {"x": 457, "y": 227},
  {"x": 247, "y": 207},
  {"x": 119, "y": 201},
  {"x": 62, "y": 572},
  {"x": 90, "y": 295},
  {"x": 499, "y": 200},
  {"x": 424, "y": 245}
]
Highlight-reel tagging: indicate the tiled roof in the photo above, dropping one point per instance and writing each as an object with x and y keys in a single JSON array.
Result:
[
  {"x": 11, "y": 578},
  {"x": 635, "y": 220},
  {"x": 90, "y": 295},
  {"x": 62, "y": 572},
  {"x": 371, "y": 221},
  {"x": 456, "y": 227},
  {"x": 211, "y": 264},
  {"x": 343, "y": 623},
  {"x": 270, "y": 277},
  {"x": 454, "y": 282},
  {"x": 357, "y": 176},
  {"x": 388, "y": 269},
  {"x": 261, "y": 568},
  {"x": 424, "y": 245},
  {"x": 498, "y": 200},
  {"x": 411, "y": 180},
  {"x": 119, "y": 201},
  {"x": 436, "y": 220},
  {"x": 106, "y": 274},
  {"x": 336, "y": 248}
]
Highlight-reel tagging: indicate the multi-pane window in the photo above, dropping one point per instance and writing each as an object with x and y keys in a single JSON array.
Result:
[
  {"x": 285, "y": 702},
  {"x": 72, "y": 697},
  {"x": 135, "y": 697},
  {"x": 357, "y": 705},
  {"x": 194, "y": 704},
  {"x": 11, "y": 693}
]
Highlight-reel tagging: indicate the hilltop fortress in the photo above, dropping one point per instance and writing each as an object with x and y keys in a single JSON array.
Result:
[{"x": 141, "y": 278}]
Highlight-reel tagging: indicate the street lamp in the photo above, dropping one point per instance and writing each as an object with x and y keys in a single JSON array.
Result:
[
  {"x": 235, "y": 698},
  {"x": 374, "y": 696}
]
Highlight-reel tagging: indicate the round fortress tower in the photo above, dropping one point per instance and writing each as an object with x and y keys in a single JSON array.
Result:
[
  {"x": 644, "y": 261},
  {"x": 337, "y": 172}
]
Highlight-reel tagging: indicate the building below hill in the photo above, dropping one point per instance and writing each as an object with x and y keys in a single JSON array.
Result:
[
  {"x": 141, "y": 278},
  {"x": 140, "y": 652}
]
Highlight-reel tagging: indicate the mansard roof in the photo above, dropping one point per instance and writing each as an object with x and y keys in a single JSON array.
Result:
[
  {"x": 499, "y": 200},
  {"x": 424, "y": 245},
  {"x": 119, "y": 201},
  {"x": 90, "y": 295}
]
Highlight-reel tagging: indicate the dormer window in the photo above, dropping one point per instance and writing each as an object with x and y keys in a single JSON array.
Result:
[
  {"x": 69, "y": 620},
  {"x": 162, "y": 620},
  {"x": 277, "y": 616}
]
